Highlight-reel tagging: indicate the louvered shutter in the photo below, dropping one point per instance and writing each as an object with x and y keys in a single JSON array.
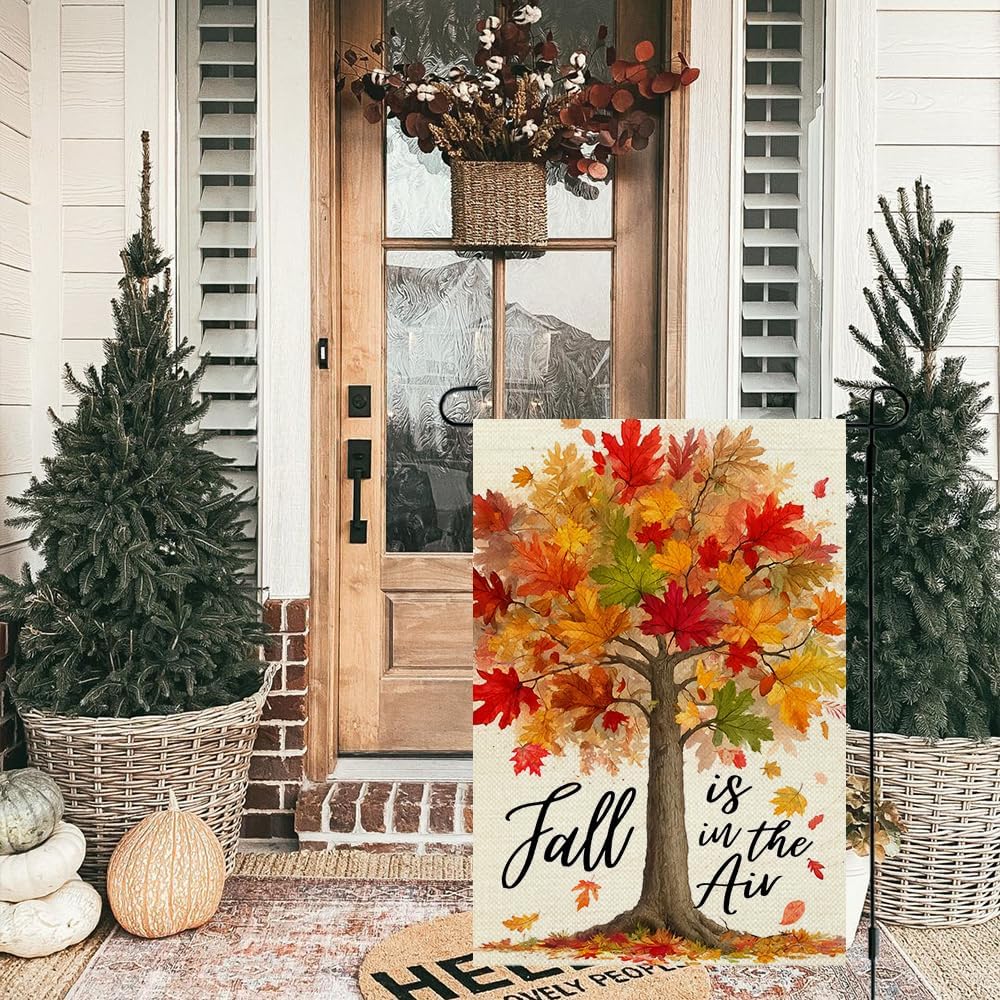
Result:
[
  {"x": 219, "y": 43},
  {"x": 782, "y": 177}
]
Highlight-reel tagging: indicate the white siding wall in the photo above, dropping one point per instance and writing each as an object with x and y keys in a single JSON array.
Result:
[
  {"x": 69, "y": 161},
  {"x": 16, "y": 451},
  {"x": 938, "y": 116}
]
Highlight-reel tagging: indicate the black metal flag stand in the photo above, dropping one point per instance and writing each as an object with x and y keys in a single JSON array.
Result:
[{"x": 870, "y": 427}]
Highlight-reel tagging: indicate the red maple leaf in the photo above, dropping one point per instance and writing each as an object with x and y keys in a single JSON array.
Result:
[
  {"x": 600, "y": 462},
  {"x": 682, "y": 616},
  {"x": 611, "y": 720},
  {"x": 680, "y": 457},
  {"x": 815, "y": 821},
  {"x": 710, "y": 553},
  {"x": 816, "y": 551},
  {"x": 816, "y": 868},
  {"x": 490, "y": 514},
  {"x": 771, "y": 527},
  {"x": 529, "y": 758},
  {"x": 502, "y": 694},
  {"x": 588, "y": 436},
  {"x": 743, "y": 655},
  {"x": 635, "y": 460},
  {"x": 490, "y": 597},
  {"x": 740, "y": 759},
  {"x": 653, "y": 533},
  {"x": 819, "y": 490}
]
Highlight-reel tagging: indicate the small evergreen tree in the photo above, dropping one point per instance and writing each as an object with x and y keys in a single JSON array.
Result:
[
  {"x": 140, "y": 607},
  {"x": 937, "y": 535}
]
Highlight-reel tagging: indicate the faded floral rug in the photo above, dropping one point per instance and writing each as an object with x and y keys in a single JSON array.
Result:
[{"x": 297, "y": 927}]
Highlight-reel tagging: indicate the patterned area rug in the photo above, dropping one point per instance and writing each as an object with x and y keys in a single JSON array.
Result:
[{"x": 296, "y": 927}]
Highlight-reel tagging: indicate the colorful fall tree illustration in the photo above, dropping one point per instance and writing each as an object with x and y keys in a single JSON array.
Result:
[{"x": 649, "y": 599}]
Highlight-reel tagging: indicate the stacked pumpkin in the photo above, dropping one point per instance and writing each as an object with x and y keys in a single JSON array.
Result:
[{"x": 44, "y": 905}]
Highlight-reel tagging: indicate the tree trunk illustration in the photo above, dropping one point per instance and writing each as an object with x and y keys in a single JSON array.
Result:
[{"x": 665, "y": 901}]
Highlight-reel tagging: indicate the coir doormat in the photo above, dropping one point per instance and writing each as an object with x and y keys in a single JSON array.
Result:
[{"x": 434, "y": 959}]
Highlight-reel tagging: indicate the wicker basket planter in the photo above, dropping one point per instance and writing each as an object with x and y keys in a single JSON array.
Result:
[
  {"x": 498, "y": 204},
  {"x": 948, "y": 794},
  {"x": 113, "y": 772}
]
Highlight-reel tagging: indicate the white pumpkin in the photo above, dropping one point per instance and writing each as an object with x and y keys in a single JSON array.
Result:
[
  {"x": 38, "y": 927},
  {"x": 44, "y": 868},
  {"x": 30, "y": 806}
]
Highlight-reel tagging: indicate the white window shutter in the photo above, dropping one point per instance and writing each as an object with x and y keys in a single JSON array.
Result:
[
  {"x": 218, "y": 41},
  {"x": 782, "y": 194}
]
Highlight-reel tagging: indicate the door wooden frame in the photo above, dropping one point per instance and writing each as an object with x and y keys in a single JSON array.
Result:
[{"x": 328, "y": 397}]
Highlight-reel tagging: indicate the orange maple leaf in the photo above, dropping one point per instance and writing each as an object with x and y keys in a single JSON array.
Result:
[
  {"x": 828, "y": 612},
  {"x": 490, "y": 514},
  {"x": 592, "y": 694},
  {"x": 587, "y": 892},
  {"x": 544, "y": 568}
]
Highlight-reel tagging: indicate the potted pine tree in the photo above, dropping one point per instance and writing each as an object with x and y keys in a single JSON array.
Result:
[
  {"x": 937, "y": 607},
  {"x": 136, "y": 668}
]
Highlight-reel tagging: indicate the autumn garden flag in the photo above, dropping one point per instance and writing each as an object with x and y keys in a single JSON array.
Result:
[{"x": 659, "y": 727}]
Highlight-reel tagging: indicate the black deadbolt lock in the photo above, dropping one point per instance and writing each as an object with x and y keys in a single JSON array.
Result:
[{"x": 359, "y": 400}]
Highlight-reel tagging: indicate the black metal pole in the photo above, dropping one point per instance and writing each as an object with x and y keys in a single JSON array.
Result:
[{"x": 871, "y": 427}]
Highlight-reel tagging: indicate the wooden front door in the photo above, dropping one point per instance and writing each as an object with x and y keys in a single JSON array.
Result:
[{"x": 572, "y": 333}]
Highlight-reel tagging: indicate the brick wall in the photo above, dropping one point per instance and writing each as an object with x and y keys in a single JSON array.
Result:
[
  {"x": 276, "y": 768},
  {"x": 11, "y": 739}
]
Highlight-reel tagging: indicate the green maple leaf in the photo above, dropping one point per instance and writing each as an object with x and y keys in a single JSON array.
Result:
[
  {"x": 734, "y": 722},
  {"x": 629, "y": 577}
]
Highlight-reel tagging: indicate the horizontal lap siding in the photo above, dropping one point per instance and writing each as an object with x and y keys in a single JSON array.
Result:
[
  {"x": 92, "y": 180},
  {"x": 938, "y": 117},
  {"x": 16, "y": 452}
]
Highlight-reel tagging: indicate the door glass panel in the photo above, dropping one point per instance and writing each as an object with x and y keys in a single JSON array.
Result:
[
  {"x": 574, "y": 25},
  {"x": 442, "y": 33},
  {"x": 558, "y": 335},
  {"x": 438, "y": 335}
]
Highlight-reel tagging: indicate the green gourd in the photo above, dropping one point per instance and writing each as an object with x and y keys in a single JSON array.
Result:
[{"x": 30, "y": 806}]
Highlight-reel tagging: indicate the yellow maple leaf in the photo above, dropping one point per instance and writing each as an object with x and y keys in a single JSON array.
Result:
[
  {"x": 522, "y": 476},
  {"x": 796, "y": 705},
  {"x": 522, "y": 924},
  {"x": 813, "y": 667},
  {"x": 674, "y": 559},
  {"x": 688, "y": 717},
  {"x": 732, "y": 576},
  {"x": 757, "y": 619},
  {"x": 546, "y": 728},
  {"x": 659, "y": 504},
  {"x": 706, "y": 680},
  {"x": 590, "y": 624},
  {"x": 772, "y": 768},
  {"x": 789, "y": 801},
  {"x": 571, "y": 537}
]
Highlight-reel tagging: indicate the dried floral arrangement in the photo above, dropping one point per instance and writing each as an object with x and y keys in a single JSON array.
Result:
[
  {"x": 889, "y": 828},
  {"x": 522, "y": 101}
]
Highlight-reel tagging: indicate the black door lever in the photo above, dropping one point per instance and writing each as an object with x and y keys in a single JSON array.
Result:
[{"x": 359, "y": 466}]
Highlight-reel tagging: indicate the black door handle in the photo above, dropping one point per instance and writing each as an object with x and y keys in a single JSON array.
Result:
[{"x": 359, "y": 466}]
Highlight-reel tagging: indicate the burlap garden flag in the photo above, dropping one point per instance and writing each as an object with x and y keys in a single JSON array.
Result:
[{"x": 659, "y": 731}]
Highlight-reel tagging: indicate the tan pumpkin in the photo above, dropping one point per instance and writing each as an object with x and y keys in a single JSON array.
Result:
[{"x": 166, "y": 874}]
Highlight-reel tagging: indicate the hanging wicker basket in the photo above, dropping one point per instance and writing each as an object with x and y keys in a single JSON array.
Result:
[
  {"x": 948, "y": 795},
  {"x": 498, "y": 204},
  {"x": 114, "y": 772}
]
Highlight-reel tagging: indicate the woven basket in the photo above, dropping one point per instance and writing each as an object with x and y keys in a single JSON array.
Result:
[
  {"x": 114, "y": 772},
  {"x": 498, "y": 204},
  {"x": 948, "y": 795}
]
